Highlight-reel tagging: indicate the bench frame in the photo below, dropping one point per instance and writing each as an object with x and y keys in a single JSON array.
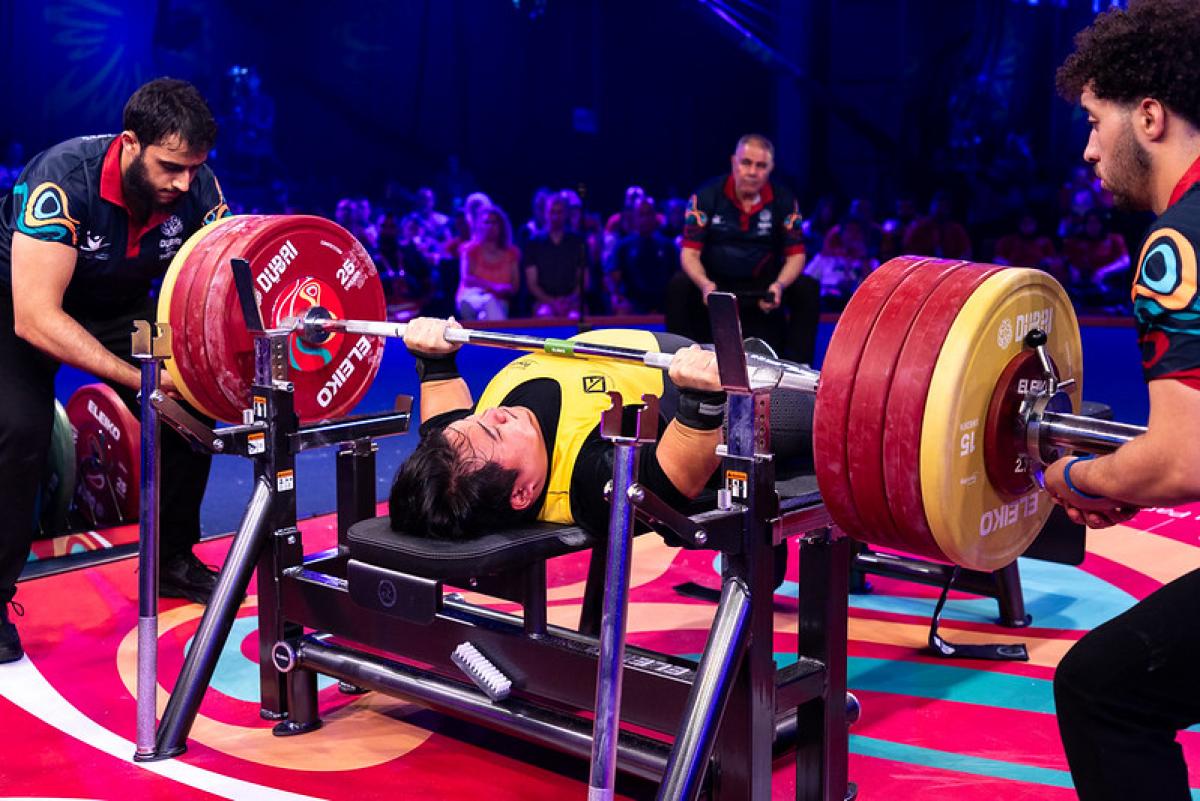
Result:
[{"x": 714, "y": 727}]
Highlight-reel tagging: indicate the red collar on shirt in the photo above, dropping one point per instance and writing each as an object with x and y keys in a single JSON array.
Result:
[
  {"x": 113, "y": 190},
  {"x": 764, "y": 197},
  {"x": 1189, "y": 179}
]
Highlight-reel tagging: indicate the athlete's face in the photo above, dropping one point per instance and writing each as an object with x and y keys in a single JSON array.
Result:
[
  {"x": 752, "y": 166},
  {"x": 1119, "y": 159},
  {"x": 160, "y": 174},
  {"x": 510, "y": 437}
]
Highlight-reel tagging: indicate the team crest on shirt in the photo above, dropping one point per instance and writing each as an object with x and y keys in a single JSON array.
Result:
[
  {"x": 765, "y": 216},
  {"x": 594, "y": 384},
  {"x": 172, "y": 226},
  {"x": 95, "y": 246}
]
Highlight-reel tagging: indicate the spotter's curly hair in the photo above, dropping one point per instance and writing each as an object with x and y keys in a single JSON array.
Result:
[{"x": 1150, "y": 50}]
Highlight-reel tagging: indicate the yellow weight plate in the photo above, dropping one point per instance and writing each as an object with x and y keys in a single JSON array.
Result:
[
  {"x": 972, "y": 523},
  {"x": 170, "y": 281}
]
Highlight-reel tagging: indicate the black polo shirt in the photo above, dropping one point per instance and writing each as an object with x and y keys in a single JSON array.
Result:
[
  {"x": 560, "y": 267},
  {"x": 72, "y": 193},
  {"x": 738, "y": 245}
]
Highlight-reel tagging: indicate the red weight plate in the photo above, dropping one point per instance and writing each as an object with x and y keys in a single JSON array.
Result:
[
  {"x": 906, "y": 407},
  {"x": 872, "y": 385},
  {"x": 837, "y": 386},
  {"x": 188, "y": 337},
  {"x": 172, "y": 302},
  {"x": 107, "y": 450},
  {"x": 298, "y": 263},
  {"x": 214, "y": 252}
]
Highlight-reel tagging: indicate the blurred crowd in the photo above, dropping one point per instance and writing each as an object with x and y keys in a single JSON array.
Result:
[
  {"x": 566, "y": 260},
  {"x": 465, "y": 255},
  {"x": 563, "y": 261}
]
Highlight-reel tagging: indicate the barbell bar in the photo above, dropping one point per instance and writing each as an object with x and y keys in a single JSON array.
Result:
[{"x": 316, "y": 326}]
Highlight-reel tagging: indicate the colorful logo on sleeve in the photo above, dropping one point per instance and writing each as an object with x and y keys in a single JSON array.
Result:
[
  {"x": 221, "y": 209},
  {"x": 793, "y": 222},
  {"x": 694, "y": 216},
  {"x": 43, "y": 213},
  {"x": 1166, "y": 272}
]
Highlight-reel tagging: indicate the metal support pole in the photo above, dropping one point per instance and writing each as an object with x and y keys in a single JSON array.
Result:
[
  {"x": 611, "y": 658},
  {"x": 710, "y": 693},
  {"x": 148, "y": 539},
  {"x": 201, "y": 659},
  {"x": 822, "y": 752}
]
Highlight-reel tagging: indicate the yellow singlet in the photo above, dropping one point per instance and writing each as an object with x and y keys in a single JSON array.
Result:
[{"x": 584, "y": 384}]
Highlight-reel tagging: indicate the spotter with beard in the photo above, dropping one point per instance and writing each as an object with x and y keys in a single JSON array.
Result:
[{"x": 90, "y": 224}]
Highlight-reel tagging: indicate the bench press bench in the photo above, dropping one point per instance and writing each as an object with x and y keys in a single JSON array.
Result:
[{"x": 385, "y": 590}]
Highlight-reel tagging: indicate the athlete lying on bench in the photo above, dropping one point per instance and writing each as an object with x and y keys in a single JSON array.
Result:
[{"x": 530, "y": 449}]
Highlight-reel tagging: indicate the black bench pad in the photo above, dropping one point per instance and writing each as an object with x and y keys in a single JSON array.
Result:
[{"x": 373, "y": 541}]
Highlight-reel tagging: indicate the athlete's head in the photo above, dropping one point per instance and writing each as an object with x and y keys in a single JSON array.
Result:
[
  {"x": 1136, "y": 73},
  {"x": 476, "y": 473},
  {"x": 168, "y": 131}
]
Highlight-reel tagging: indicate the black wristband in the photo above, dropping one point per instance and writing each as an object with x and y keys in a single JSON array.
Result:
[
  {"x": 701, "y": 410},
  {"x": 436, "y": 368}
]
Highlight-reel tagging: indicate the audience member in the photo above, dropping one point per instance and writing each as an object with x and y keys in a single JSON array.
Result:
[
  {"x": 435, "y": 226},
  {"x": 536, "y": 224},
  {"x": 1094, "y": 256},
  {"x": 847, "y": 257},
  {"x": 556, "y": 265},
  {"x": 858, "y": 235},
  {"x": 475, "y": 203},
  {"x": 895, "y": 227},
  {"x": 816, "y": 227},
  {"x": 1027, "y": 247},
  {"x": 620, "y": 225},
  {"x": 460, "y": 234},
  {"x": 415, "y": 262},
  {"x": 488, "y": 276},
  {"x": 574, "y": 210},
  {"x": 593, "y": 235},
  {"x": 1072, "y": 221},
  {"x": 938, "y": 234},
  {"x": 640, "y": 266},
  {"x": 353, "y": 214},
  {"x": 674, "y": 212}
]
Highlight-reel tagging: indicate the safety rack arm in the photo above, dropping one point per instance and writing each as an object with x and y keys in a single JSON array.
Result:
[
  {"x": 239, "y": 440},
  {"x": 350, "y": 429}
]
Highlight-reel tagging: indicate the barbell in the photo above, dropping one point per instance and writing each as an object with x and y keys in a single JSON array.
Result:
[{"x": 939, "y": 398}]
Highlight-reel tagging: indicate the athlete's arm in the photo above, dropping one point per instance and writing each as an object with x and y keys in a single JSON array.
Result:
[
  {"x": 425, "y": 338},
  {"x": 1159, "y": 468},
  {"x": 41, "y": 272},
  {"x": 687, "y": 454}
]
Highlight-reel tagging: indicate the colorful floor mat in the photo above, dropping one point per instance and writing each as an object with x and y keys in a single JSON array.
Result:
[{"x": 931, "y": 728}]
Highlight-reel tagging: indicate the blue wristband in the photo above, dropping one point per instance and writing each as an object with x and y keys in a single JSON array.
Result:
[{"x": 1071, "y": 485}]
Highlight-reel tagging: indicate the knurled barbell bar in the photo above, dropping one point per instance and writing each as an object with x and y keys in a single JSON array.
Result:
[{"x": 944, "y": 388}]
